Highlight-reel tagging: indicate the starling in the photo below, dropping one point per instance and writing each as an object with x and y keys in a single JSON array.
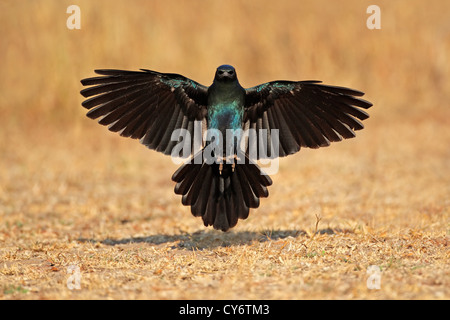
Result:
[{"x": 221, "y": 180}]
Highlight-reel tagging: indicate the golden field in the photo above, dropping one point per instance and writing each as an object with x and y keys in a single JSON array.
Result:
[{"x": 74, "y": 194}]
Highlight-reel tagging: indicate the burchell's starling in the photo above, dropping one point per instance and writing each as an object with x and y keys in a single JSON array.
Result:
[{"x": 221, "y": 180}]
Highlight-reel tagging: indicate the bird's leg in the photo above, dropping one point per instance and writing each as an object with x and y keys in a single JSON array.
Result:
[
  {"x": 220, "y": 160},
  {"x": 233, "y": 159},
  {"x": 233, "y": 165}
]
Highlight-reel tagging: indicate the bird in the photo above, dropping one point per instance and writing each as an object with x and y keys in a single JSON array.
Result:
[{"x": 164, "y": 110}]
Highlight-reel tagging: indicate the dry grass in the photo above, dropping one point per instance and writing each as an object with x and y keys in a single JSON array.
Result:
[{"x": 72, "y": 193}]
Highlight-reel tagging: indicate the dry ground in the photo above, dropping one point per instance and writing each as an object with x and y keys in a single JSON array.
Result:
[{"x": 71, "y": 193}]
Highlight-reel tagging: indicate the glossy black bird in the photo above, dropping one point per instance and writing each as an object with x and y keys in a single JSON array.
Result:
[{"x": 150, "y": 106}]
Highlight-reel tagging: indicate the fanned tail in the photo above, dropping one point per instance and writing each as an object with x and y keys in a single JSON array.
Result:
[{"x": 220, "y": 194}]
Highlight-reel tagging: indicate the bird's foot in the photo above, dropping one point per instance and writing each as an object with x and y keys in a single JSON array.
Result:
[{"x": 229, "y": 160}]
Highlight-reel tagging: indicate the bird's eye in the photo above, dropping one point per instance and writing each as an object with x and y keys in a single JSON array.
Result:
[
  {"x": 230, "y": 72},
  {"x": 220, "y": 72}
]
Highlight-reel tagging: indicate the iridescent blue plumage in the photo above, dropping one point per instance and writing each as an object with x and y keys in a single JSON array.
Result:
[{"x": 224, "y": 116}]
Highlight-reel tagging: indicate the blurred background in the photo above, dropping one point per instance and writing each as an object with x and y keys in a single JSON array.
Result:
[
  {"x": 403, "y": 67},
  {"x": 48, "y": 146}
]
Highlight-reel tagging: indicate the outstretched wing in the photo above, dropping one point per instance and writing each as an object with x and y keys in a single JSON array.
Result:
[
  {"x": 306, "y": 113},
  {"x": 146, "y": 105}
]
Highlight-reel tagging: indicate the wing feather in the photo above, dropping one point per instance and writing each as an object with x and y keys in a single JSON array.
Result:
[
  {"x": 306, "y": 113},
  {"x": 145, "y": 105}
]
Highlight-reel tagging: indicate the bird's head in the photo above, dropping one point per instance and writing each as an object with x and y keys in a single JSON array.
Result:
[{"x": 225, "y": 73}]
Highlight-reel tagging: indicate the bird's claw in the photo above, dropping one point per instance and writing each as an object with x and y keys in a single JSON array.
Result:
[{"x": 233, "y": 159}]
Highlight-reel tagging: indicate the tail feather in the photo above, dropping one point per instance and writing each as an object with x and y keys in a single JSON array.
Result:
[
  {"x": 242, "y": 210},
  {"x": 250, "y": 199},
  {"x": 195, "y": 188},
  {"x": 221, "y": 197},
  {"x": 198, "y": 205}
]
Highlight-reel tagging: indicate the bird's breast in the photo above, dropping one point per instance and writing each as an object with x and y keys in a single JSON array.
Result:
[
  {"x": 224, "y": 116},
  {"x": 226, "y": 119}
]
